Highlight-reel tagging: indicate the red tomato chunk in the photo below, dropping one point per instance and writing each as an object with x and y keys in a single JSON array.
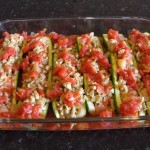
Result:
[
  {"x": 71, "y": 99},
  {"x": 130, "y": 108}
]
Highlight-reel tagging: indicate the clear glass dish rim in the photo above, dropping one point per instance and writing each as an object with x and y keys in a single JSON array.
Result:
[
  {"x": 76, "y": 120},
  {"x": 77, "y": 18}
]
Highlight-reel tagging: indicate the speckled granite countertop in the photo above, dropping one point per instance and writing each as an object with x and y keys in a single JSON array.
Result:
[
  {"x": 68, "y": 140},
  {"x": 73, "y": 8}
]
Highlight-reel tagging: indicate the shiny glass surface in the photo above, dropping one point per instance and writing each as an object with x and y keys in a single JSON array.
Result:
[{"x": 68, "y": 26}]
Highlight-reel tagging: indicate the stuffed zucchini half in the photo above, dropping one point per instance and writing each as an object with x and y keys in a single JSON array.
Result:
[
  {"x": 140, "y": 43},
  {"x": 10, "y": 55},
  {"x": 67, "y": 92},
  {"x": 35, "y": 66},
  {"x": 96, "y": 70},
  {"x": 126, "y": 78}
]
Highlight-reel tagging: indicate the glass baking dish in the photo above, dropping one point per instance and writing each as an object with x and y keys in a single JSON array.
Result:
[{"x": 68, "y": 26}]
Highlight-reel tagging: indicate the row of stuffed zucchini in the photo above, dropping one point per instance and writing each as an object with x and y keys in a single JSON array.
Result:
[{"x": 76, "y": 74}]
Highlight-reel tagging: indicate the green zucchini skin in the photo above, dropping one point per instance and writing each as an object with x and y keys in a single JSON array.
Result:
[
  {"x": 55, "y": 110},
  {"x": 14, "y": 100},
  {"x": 50, "y": 63},
  {"x": 117, "y": 98},
  {"x": 81, "y": 112}
]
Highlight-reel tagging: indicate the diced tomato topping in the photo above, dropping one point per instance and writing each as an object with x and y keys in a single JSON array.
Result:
[
  {"x": 1, "y": 41},
  {"x": 28, "y": 111},
  {"x": 113, "y": 34},
  {"x": 130, "y": 108},
  {"x": 63, "y": 42},
  {"x": 42, "y": 33},
  {"x": 87, "y": 68},
  {"x": 120, "y": 45},
  {"x": 105, "y": 114},
  {"x": 2, "y": 99},
  {"x": 71, "y": 80},
  {"x": 83, "y": 51},
  {"x": 5, "y": 34},
  {"x": 66, "y": 56},
  {"x": 4, "y": 56},
  {"x": 15, "y": 67},
  {"x": 146, "y": 80},
  {"x": 35, "y": 57},
  {"x": 96, "y": 77},
  {"x": 25, "y": 110},
  {"x": 35, "y": 111},
  {"x": 9, "y": 51},
  {"x": 145, "y": 64},
  {"x": 107, "y": 88},
  {"x": 126, "y": 55},
  {"x": 54, "y": 36},
  {"x": 7, "y": 68},
  {"x": 85, "y": 39},
  {"x": 23, "y": 93},
  {"x": 6, "y": 115},
  {"x": 128, "y": 76},
  {"x": 106, "y": 103},
  {"x": 134, "y": 32},
  {"x": 58, "y": 85},
  {"x": 61, "y": 71},
  {"x": 96, "y": 55},
  {"x": 25, "y": 64},
  {"x": 41, "y": 92},
  {"x": 8, "y": 90},
  {"x": 34, "y": 74},
  {"x": 143, "y": 46},
  {"x": 140, "y": 40},
  {"x": 56, "y": 92},
  {"x": 72, "y": 40},
  {"x": 71, "y": 99},
  {"x": 24, "y": 34},
  {"x": 32, "y": 45},
  {"x": 26, "y": 37},
  {"x": 104, "y": 63},
  {"x": 99, "y": 88}
]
